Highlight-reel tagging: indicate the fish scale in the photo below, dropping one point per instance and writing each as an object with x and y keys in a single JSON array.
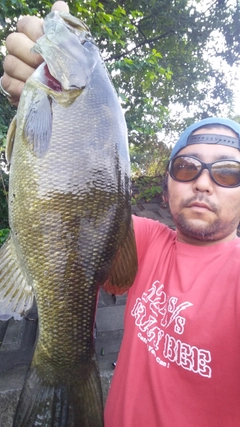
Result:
[{"x": 70, "y": 219}]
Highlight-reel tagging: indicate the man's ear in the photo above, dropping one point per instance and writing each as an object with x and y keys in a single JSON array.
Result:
[
  {"x": 165, "y": 188},
  {"x": 165, "y": 198}
]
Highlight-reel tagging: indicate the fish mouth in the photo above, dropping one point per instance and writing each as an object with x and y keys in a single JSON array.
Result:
[{"x": 48, "y": 80}]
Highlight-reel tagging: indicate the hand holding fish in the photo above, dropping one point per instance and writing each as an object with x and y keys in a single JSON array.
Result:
[{"x": 20, "y": 62}]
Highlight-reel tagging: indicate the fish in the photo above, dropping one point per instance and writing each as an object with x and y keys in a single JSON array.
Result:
[{"x": 70, "y": 221}]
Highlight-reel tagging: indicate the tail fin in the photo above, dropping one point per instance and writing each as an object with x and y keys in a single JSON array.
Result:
[{"x": 74, "y": 404}]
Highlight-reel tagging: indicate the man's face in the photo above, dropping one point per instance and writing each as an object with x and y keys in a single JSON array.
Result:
[{"x": 204, "y": 212}]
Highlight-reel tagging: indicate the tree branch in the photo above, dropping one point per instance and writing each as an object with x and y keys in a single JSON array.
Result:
[{"x": 144, "y": 42}]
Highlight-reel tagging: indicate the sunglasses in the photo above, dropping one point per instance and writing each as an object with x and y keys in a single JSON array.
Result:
[{"x": 225, "y": 173}]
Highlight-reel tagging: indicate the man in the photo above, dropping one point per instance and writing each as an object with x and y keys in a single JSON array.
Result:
[{"x": 179, "y": 363}]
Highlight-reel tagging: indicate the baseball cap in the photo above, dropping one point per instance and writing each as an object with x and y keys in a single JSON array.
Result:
[{"x": 187, "y": 138}]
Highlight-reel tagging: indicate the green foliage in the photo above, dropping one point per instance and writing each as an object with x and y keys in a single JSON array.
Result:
[
  {"x": 4, "y": 233},
  {"x": 6, "y": 114},
  {"x": 11, "y": 10},
  {"x": 146, "y": 188},
  {"x": 151, "y": 161},
  {"x": 3, "y": 200}
]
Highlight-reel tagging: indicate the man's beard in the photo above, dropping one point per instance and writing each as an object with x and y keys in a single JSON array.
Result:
[{"x": 204, "y": 231}]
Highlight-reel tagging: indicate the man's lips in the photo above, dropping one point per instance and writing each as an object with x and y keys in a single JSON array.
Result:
[{"x": 199, "y": 205}]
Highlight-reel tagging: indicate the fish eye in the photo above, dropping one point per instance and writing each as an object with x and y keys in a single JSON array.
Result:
[{"x": 87, "y": 44}]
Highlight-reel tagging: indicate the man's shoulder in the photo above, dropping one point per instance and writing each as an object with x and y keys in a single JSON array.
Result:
[
  {"x": 147, "y": 231},
  {"x": 150, "y": 224}
]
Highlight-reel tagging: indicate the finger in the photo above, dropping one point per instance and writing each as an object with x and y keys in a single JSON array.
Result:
[
  {"x": 15, "y": 43},
  {"x": 14, "y": 87},
  {"x": 16, "y": 68},
  {"x": 61, "y": 6},
  {"x": 31, "y": 26}
]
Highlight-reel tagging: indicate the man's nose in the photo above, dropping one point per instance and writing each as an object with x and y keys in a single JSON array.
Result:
[{"x": 204, "y": 182}]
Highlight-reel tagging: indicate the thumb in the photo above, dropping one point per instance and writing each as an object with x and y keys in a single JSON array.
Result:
[{"x": 61, "y": 6}]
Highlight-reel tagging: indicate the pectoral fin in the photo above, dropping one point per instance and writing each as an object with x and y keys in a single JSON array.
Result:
[
  {"x": 16, "y": 295},
  {"x": 38, "y": 122},
  {"x": 124, "y": 267}
]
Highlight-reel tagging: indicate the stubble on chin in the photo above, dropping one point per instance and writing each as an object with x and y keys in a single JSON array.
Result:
[
  {"x": 197, "y": 229},
  {"x": 207, "y": 230}
]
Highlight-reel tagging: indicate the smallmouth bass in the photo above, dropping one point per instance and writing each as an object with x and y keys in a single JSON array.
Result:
[{"x": 70, "y": 220}]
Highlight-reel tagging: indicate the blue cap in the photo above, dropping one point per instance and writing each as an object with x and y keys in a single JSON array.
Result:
[{"x": 183, "y": 140}]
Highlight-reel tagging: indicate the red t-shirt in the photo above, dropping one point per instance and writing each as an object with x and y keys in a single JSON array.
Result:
[{"x": 179, "y": 363}]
